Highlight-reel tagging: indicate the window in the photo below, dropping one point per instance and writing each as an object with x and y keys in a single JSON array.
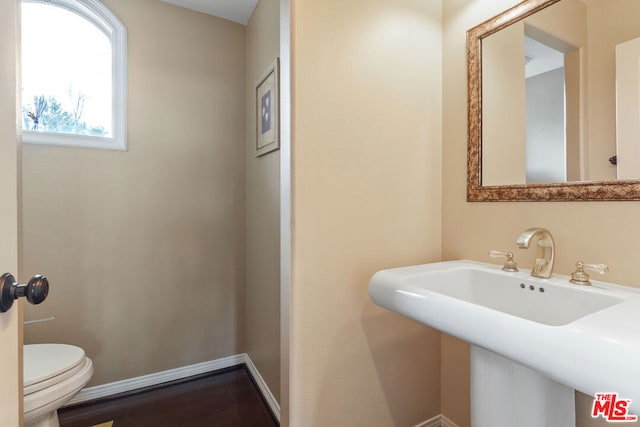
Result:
[{"x": 73, "y": 74}]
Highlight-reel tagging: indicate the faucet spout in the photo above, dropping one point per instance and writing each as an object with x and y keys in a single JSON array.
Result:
[{"x": 543, "y": 266}]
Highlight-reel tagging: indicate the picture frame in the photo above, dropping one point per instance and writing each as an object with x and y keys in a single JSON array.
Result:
[{"x": 268, "y": 110}]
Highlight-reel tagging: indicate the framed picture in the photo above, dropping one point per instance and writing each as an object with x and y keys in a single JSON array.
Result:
[{"x": 267, "y": 111}]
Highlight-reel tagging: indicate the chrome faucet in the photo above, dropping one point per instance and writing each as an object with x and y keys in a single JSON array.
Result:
[{"x": 543, "y": 266}]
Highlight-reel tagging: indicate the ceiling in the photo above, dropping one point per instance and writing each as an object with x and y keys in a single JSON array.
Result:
[
  {"x": 234, "y": 10},
  {"x": 540, "y": 58}
]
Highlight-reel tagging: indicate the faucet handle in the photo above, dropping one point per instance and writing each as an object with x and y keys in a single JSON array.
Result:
[
  {"x": 509, "y": 263},
  {"x": 598, "y": 268},
  {"x": 579, "y": 277}
]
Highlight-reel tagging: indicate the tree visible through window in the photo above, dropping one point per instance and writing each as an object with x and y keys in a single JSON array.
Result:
[{"x": 68, "y": 74}]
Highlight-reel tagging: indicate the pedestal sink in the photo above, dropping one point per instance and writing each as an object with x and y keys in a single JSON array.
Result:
[{"x": 542, "y": 337}]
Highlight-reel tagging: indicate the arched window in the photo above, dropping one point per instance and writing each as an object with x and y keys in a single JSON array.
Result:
[{"x": 73, "y": 74}]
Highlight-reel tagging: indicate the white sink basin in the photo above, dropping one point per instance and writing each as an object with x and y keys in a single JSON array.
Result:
[
  {"x": 587, "y": 338},
  {"x": 543, "y": 302}
]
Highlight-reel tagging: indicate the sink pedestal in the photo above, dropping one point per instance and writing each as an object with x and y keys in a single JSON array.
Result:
[{"x": 506, "y": 394}]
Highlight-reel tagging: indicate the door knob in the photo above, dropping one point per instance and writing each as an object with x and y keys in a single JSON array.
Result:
[{"x": 36, "y": 290}]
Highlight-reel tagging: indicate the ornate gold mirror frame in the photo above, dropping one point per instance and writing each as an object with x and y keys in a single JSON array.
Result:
[{"x": 476, "y": 192}]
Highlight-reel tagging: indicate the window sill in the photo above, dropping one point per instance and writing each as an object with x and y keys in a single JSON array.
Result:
[{"x": 71, "y": 140}]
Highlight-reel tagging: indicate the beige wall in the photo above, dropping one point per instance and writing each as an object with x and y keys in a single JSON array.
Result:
[
  {"x": 261, "y": 308},
  {"x": 504, "y": 90},
  {"x": 609, "y": 25},
  {"x": 366, "y": 195},
  {"x": 593, "y": 232},
  {"x": 144, "y": 249},
  {"x": 565, "y": 21}
]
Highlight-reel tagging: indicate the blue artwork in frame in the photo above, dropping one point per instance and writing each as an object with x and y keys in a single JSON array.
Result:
[{"x": 267, "y": 113}]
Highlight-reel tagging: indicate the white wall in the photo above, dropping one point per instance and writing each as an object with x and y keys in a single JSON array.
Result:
[{"x": 546, "y": 127}]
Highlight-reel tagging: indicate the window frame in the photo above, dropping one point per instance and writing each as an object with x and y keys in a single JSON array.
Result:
[{"x": 104, "y": 20}]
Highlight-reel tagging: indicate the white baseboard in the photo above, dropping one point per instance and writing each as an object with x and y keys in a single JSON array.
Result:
[
  {"x": 110, "y": 389},
  {"x": 262, "y": 385},
  {"x": 437, "y": 421},
  {"x": 431, "y": 422},
  {"x": 446, "y": 422}
]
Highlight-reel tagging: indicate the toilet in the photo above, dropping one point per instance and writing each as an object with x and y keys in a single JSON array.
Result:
[{"x": 53, "y": 374}]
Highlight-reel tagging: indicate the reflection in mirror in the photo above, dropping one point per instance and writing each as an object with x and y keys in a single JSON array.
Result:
[
  {"x": 628, "y": 109},
  {"x": 533, "y": 67},
  {"x": 546, "y": 136},
  {"x": 544, "y": 80}
]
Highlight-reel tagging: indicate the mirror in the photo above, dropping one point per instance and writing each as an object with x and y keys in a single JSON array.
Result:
[{"x": 545, "y": 80}]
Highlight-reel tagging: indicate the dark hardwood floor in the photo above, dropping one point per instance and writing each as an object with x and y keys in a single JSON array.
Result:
[{"x": 225, "y": 398}]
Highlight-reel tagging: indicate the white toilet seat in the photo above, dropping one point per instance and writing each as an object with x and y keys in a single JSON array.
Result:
[
  {"x": 43, "y": 363},
  {"x": 35, "y": 387},
  {"x": 53, "y": 374}
]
